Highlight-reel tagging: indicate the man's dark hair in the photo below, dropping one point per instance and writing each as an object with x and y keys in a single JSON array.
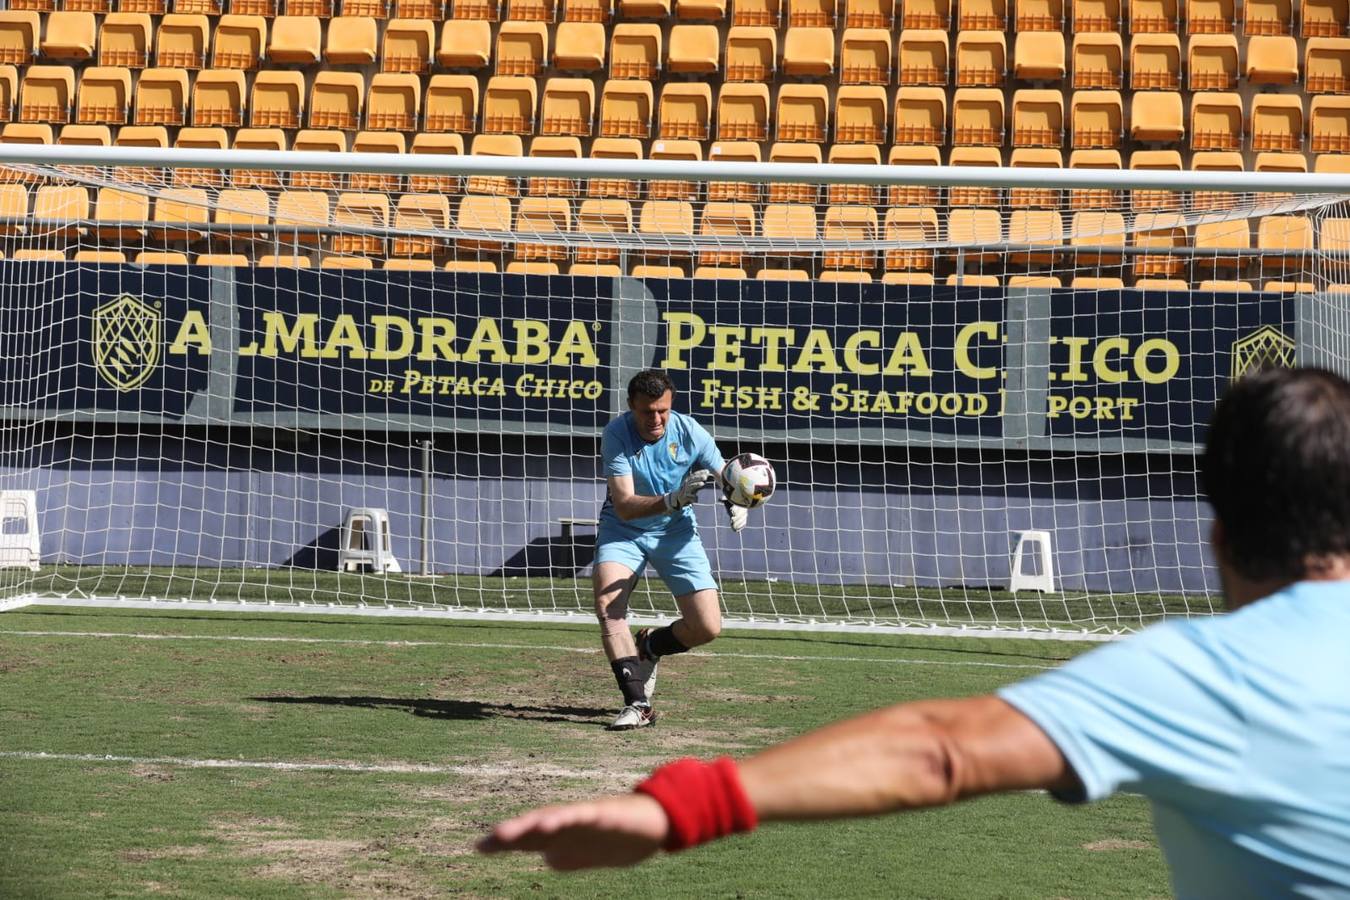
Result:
[
  {"x": 1277, "y": 471},
  {"x": 650, "y": 383}
]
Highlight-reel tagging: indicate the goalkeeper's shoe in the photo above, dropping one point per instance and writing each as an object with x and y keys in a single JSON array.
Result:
[
  {"x": 649, "y": 659},
  {"x": 633, "y": 716}
]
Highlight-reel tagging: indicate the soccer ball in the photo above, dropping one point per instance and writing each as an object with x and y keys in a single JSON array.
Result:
[{"x": 748, "y": 480}]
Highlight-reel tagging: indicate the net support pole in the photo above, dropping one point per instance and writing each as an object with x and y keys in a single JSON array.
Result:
[{"x": 425, "y": 569}]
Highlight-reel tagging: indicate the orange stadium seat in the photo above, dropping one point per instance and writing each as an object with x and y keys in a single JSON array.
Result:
[
  {"x": 860, "y": 114},
  {"x": 982, "y": 15},
  {"x": 555, "y": 147},
  {"x": 278, "y": 99},
  {"x": 869, "y": 13},
  {"x": 1035, "y": 158},
  {"x": 580, "y": 47},
  {"x": 452, "y": 104},
  {"x": 693, "y": 50},
  {"x": 1039, "y": 15},
  {"x": 377, "y": 142},
  {"x": 302, "y": 210},
  {"x": 751, "y": 54},
  {"x": 104, "y": 96},
  {"x": 1038, "y": 117},
  {"x": 920, "y": 115},
  {"x": 684, "y": 111},
  {"x": 1326, "y": 65},
  {"x": 1324, "y": 18},
  {"x": 522, "y": 48},
  {"x": 363, "y": 212},
  {"x": 1039, "y": 56},
  {"x": 635, "y": 51},
  {"x": 1097, "y": 119},
  {"x": 1212, "y": 61},
  {"x": 218, "y": 98},
  {"x": 1272, "y": 59},
  {"x": 1155, "y": 62},
  {"x": 69, "y": 36},
  {"x": 258, "y": 139},
  {"x": 978, "y": 117},
  {"x": 626, "y": 109},
  {"x": 850, "y": 223},
  {"x": 1216, "y": 121},
  {"x": 703, "y": 10},
  {"x": 47, "y": 93},
  {"x": 743, "y": 112},
  {"x": 812, "y": 13},
  {"x": 509, "y": 105},
  {"x": 981, "y": 58},
  {"x": 19, "y": 30},
  {"x": 123, "y": 40},
  {"x": 568, "y": 107},
  {"x": 1097, "y": 61},
  {"x": 865, "y": 58},
  {"x": 182, "y": 41},
  {"x": 1210, "y": 17},
  {"x": 853, "y": 155},
  {"x": 430, "y": 143},
  {"x": 1277, "y": 122},
  {"x": 409, "y": 45},
  {"x": 295, "y": 39},
  {"x": 927, "y": 14},
  {"x": 1153, "y": 16},
  {"x": 784, "y": 192},
  {"x": 351, "y": 41},
  {"x": 1329, "y": 124},
  {"x": 1095, "y": 16},
  {"x": 922, "y": 58},
  {"x": 465, "y": 44},
  {"x": 802, "y": 113},
  {"x": 808, "y": 52},
  {"x": 239, "y": 42}
]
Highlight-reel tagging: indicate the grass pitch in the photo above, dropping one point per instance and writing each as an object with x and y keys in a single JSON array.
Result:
[{"x": 254, "y": 756}]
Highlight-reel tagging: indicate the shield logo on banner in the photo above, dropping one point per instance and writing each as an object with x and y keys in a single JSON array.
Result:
[
  {"x": 126, "y": 341},
  {"x": 1267, "y": 346}
]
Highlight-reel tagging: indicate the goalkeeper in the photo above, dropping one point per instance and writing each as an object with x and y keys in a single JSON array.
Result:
[{"x": 656, "y": 461}]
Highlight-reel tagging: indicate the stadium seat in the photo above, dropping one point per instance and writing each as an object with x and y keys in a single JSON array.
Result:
[
  {"x": 981, "y": 58},
  {"x": 555, "y": 147},
  {"x": 522, "y": 48},
  {"x": 917, "y": 225},
  {"x": 743, "y": 112},
  {"x": 1326, "y": 65},
  {"x": 1038, "y": 228},
  {"x": 1155, "y": 62},
  {"x": 284, "y": 261},
  {"x": 1329, "y": 124},
  {"x": 1038, "y": 117},
  {"x": 86, "y": 136},
  {"x": 1161, "y": 284},
  {"x": 488, "y": 10},
  {"x": 351, "y": 41},
  {"x": 1158, "y": 231},
  {"x": 245, "y": 211},
  {"x": 974, "y": 227},
  {"x": 1272, "y": 59},
  {"x": 1156, "y": 116},
  {"x": 588, "y": 10},
  {"x": 1153, "y": 16},
  {"x": 1034, "y": 281},
  {"x": 1095, "y": 16},
  {"x": 685, "y": 111},
  {"x": 927, "y": 14},
  {"x": 972, "y": 280},
  {"x": 1215, "y": 161},
  {"x": 756, "y": 12},
  {"x": 69, "y": 36},
  {"x": 377, "y": 142},
  {"x": 1290, "y": 235},
  {"x": 218, "y": 98},
  {"x": 295, "y": 39},
  {"x": 1094, "y": 229},
  {"x": 693, "y": 50},
  {"x": 1097, "y": 119},
  {"x": 1212, "y": 62},
  {"x": 670, "y": 189},
  {"x": 635, "y": 51},
  {"x": 1039, "y": 56},
  {"x": 1038, "y": 15},
  {"x": 409, "y": 265},
  {"x": 200, "y": 139},
  {"x": 851, "y": 276},
  {"x": 1289, "y": 287},
  {"x": 364, "y": 212},
  {"x": 47, "y": 92},
  {"x": 580, "y": 47},
  {"x": 1086, "y": 282},
  {"x": 1277, "y": 122},
  {"x": 1094, "y": 198},
  {"x": 751, "y": 54},
  {"x": 865, "y": 58},
  {"x": 1280, "y": 162},
  {"x": 726, "y": 219},
  {"x": 104, "y": 96},
  {"x": 912, "y": 278},
  {"x": 802, "y": 113},
  {"x": 568, "y": 107},
  {"x": 181, "y": 41},
  {"x": 465, "y": 44},
  {"x": 922, "y": 57},
  {"x": 509, "y": 105},
  {"x": 978, "y": 116},
  {"x": 626, "y": 109},
  {"x": 979, "y": 157},
  {"x": 100, "y": 257},
  {"x": 860, "y": 114},
  {"x": 1210, "y": 17},
  {"x": 123, "y": 40},
  {"x": 719, "y": 272},
  {"x": 787, "y": 192},
  {"x": 701, "y": 10},
  {"x": 1216, "y": 121},
  {"x": 9, "y": 90},
  {"x": 278, "y": 99},
  {"x": 452, "y": 104},
  {"x": 494, "y": 145},
  {"x": 666, "y": 219},
  {"x": 298, "y": 213},
  {"x": 920, "y": 115},
  {"x": 1035, "y": 158},
  {"x": 853, "y": 155},
  {"x": 346, "y": 262},
  {"x": 808, "y": 52},
  {"x": 776, "y": 274},
  {"x": 239, "y": 42},
  {"x": 789, "y": 222},
  {"x": 531, "y": 10},
  {"x": 19, "y": 31},
  {"x": 869, "y": 13},
  {"x": 734, "y": 151},
  {"x": 182, "y": 214},
  {"x": 982, "y": 15},
  {"x": 811, "y": 13},
  {"x": 1324, "y": 18},
  {"x": 440, "y": 145},
  {"x": 1224, "y": 237},
  {"x": 317, "y": 141},
  {"x": 1097, "y": 61},
  {"x": 119, "y": 215},
  {"x": 161, "y": 258},
  {"x": 602, "y": 216},
  {"x": 1224, "y": 286},
  {"x": 264, "y": 8}
]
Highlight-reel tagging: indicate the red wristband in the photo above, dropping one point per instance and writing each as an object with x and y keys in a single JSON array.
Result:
[{"x": 703, "y": 801}]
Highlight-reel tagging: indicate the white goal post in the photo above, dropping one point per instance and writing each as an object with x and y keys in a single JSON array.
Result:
[{"x": 212, "y": 359}]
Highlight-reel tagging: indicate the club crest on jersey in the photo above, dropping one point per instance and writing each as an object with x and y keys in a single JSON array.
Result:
[
  {"x": 126, "y": 341},
  {"x": 674, "y": 450}
]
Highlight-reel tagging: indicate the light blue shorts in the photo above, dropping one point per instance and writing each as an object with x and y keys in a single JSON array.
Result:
[{"x": 677, "y": 555}]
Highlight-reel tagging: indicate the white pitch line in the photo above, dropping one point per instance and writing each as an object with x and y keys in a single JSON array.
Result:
[
  {"x": 280, "y": 766},
  {"x": 489, "y": 646}
]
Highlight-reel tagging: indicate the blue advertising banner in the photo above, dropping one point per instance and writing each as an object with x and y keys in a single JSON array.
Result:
[
  {"x": 104, "y": 339},
  {"x": 766, "y": 355},
  {"x": 445, "y": 345}
]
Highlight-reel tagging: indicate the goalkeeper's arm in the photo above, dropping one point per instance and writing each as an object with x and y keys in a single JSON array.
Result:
[{"x": 631, "y": 505}]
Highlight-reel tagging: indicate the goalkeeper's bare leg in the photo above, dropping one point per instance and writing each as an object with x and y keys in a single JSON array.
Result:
[{"x": 613, "y": 583}]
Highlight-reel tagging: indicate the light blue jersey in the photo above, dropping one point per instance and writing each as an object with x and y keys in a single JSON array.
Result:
[
  {"x": 1237, "y": 728},
  {"x": 669, "y": 541}
]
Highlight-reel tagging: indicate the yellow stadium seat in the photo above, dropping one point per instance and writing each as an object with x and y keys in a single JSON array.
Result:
[
  {"x": 865, "y": 58},
  {"x": 522, "y": 48},
  {"x": 1038, "y": 118},
  {"x": 1277, "y": 122},
  {"x": 1289, "y": 287},
  {"x": 123, "y": 40},
  {"x": 1216, "y": 121},
  {"x": 196, "y": 7},
  {"x": 1153, "y": 16},
  {"x": 978, "y": 117},
  {"x": 298, "y": 213},
  {"x": 104, "y": 96},
  {"x": 751, "y": 54},
  {"x": 509, "y": 145},
  {"x": 693, "y": 50},
  {"x": 1272, "y": 59},
  {"x": 666, "y": 219},
  {"x": 703, "y": 10},
  {"x": 1215, "y": 161},
  {"x": 1039, "y": 56},
  {"x": 317, "y": 141},
  {"x": 1038, "y": 228},
  {"x": 1159, "y": 231},
  {"x": 802, "y": 113},
  {"x": 735, "y": 221},
  {"x": 667, "y": 189},
  {"x": 351, "y": 42},
  {"x": 266, "y": 9},
  {"x": 869, "y": 13},
  {"x": 1326, "y": 65},
  {"x": 218, "y": 98},
  {"x": 588, "y": 10},
  {"x": 1155, "y": 61},
  {"x": 181, "y": 214},
  {"x": 786, "y": 192},
  {"x": 1094, "y": 198},
  {"x": 1097, "y": 119},
  {"x": 181, "y": 41},
  {"x": 775, "y": 274},
  {"x": 602, "y": 216},
  {"x": 1039, "y": 15},
  {"x": 1091, "y": 229},
  {"x": 200, "y": 139},
  {"x": 409, "y": 265},
  {"x": 1156, "y": 116},
  {"x": 435, "y": 144},
  {"x": 743, "y": 112},
  {"x": 33, "y": 254},
  {"x": 644, "y": 9},
  {"x": 927, "y": 14},
  {"x": 635, "y": 51},
  {"x": 860, "y": 114},
  {"x": 335, "y": 100},
  {"x": 243, "y": 213},
  {"x": 982, "y": 15},
  {"x": 1225, "y": 237},
  {"x": 542, "y": 215},
  {"x": 465, "y": 44},
  {"x": 452, "y": 104},
  {"x": 626, "y": 109},
  {"x": 239, "y": 42},
  {"x": 850, "y": 223},
  {"x": 1212, "y": 62},
  {"x": 278, "y": 99},
  {"x": 320, "y": 9},
  {"x": 509, "y": 105},
  {"x": 1161, "y": 284},
  {"x": 913, "y": 195},
  {"x": 580, "y": 47},
  {"x": 221, "y": 259},
  {"x": 756, "y": 12},
  {"x": 94, "y": 6},
  {"x": 118, "y": 214},
  {"x": 9, "y": 90},
  {"x": 1324, "y": 18},
  {"x": 1097, "y": 61},
  {"x": 1329, "y": 124},
  {"x": 1224, "y": 286},
  {"x": 1095, "y": 16},
  {"x": 651, "y": 271},
  {"x": 19, "y": 31},
  {"x": 86, "y": 136},
  {"x": 981, "y": 58},
  {"x": 531, "y": 10},
  {"x": 685, "y": 111},
  {"x": 734, "y": 151},
  {"x": 922, "y": 57},
  {"x": 1281, "y": 162},
  {"x": 377, "y": 142},
  {"x": 394, "y": 101},
  {"x": 568, "y": 107},
  {"x": 284, "y": 261},
  {"x": 977, "y": 157},
  {"x": 70, "y": 36},
  {"x": 555, "y": 147},
  {"x": 366, "y": 213},
  {"x": 1210, "y": 17},
  {"x": 719, "y": 272},
  {"x": 46, "y": 94},
  {"x": 971, "y": 228},
  {"x": 920, "y": 115},
  {"x": 346, "y": 262},
  {"x": 851, "y": 276},
  {"x": 1289, "y": 235},
  {"x": 100, "y": 257},
  {"x": 295, "y": 39},
  {"x": 916, "y": 225},
  {"x": 482, "y": 213},
  {"x": 811, "y": 13},
  {"x": 1035, "y": 158},
  {"x": 790, "y": 222},
  {"x": 808, "y": 52},
  {"x": 161, "y": 258}
]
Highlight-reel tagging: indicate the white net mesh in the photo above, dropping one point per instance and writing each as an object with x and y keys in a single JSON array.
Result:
[{"x": 211, "y": 374}]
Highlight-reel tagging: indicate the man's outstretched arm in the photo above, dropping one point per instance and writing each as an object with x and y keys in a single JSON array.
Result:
[{"x": 903, "y": 757}]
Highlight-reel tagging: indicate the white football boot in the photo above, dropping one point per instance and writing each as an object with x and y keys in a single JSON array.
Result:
[{"x": 631, "y": 717}]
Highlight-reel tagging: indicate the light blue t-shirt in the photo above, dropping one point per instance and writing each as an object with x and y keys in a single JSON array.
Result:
[
  {"x": 1237, "y": 729},
  {"x": 657, "y": 468}
]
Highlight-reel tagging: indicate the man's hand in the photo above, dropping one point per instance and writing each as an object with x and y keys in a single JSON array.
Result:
[
  {"x": 739, "y": 515},
  {"x": 688, "y": 490},
  {"x": 613, "y": 831}
]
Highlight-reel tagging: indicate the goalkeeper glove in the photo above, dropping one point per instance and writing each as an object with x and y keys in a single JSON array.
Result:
[
  {"x": 688, "y": 490},
  {"x": 739, "y": 515}
]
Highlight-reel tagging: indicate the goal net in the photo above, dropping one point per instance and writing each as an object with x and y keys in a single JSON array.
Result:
[{"x": 361, "y": 383}]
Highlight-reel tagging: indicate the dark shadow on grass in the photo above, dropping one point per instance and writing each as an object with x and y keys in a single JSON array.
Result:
[{"x": 458, "y": 710}]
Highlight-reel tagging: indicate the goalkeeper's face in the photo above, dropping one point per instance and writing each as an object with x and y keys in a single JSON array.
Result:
[{"x": 651, "y": 414}]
